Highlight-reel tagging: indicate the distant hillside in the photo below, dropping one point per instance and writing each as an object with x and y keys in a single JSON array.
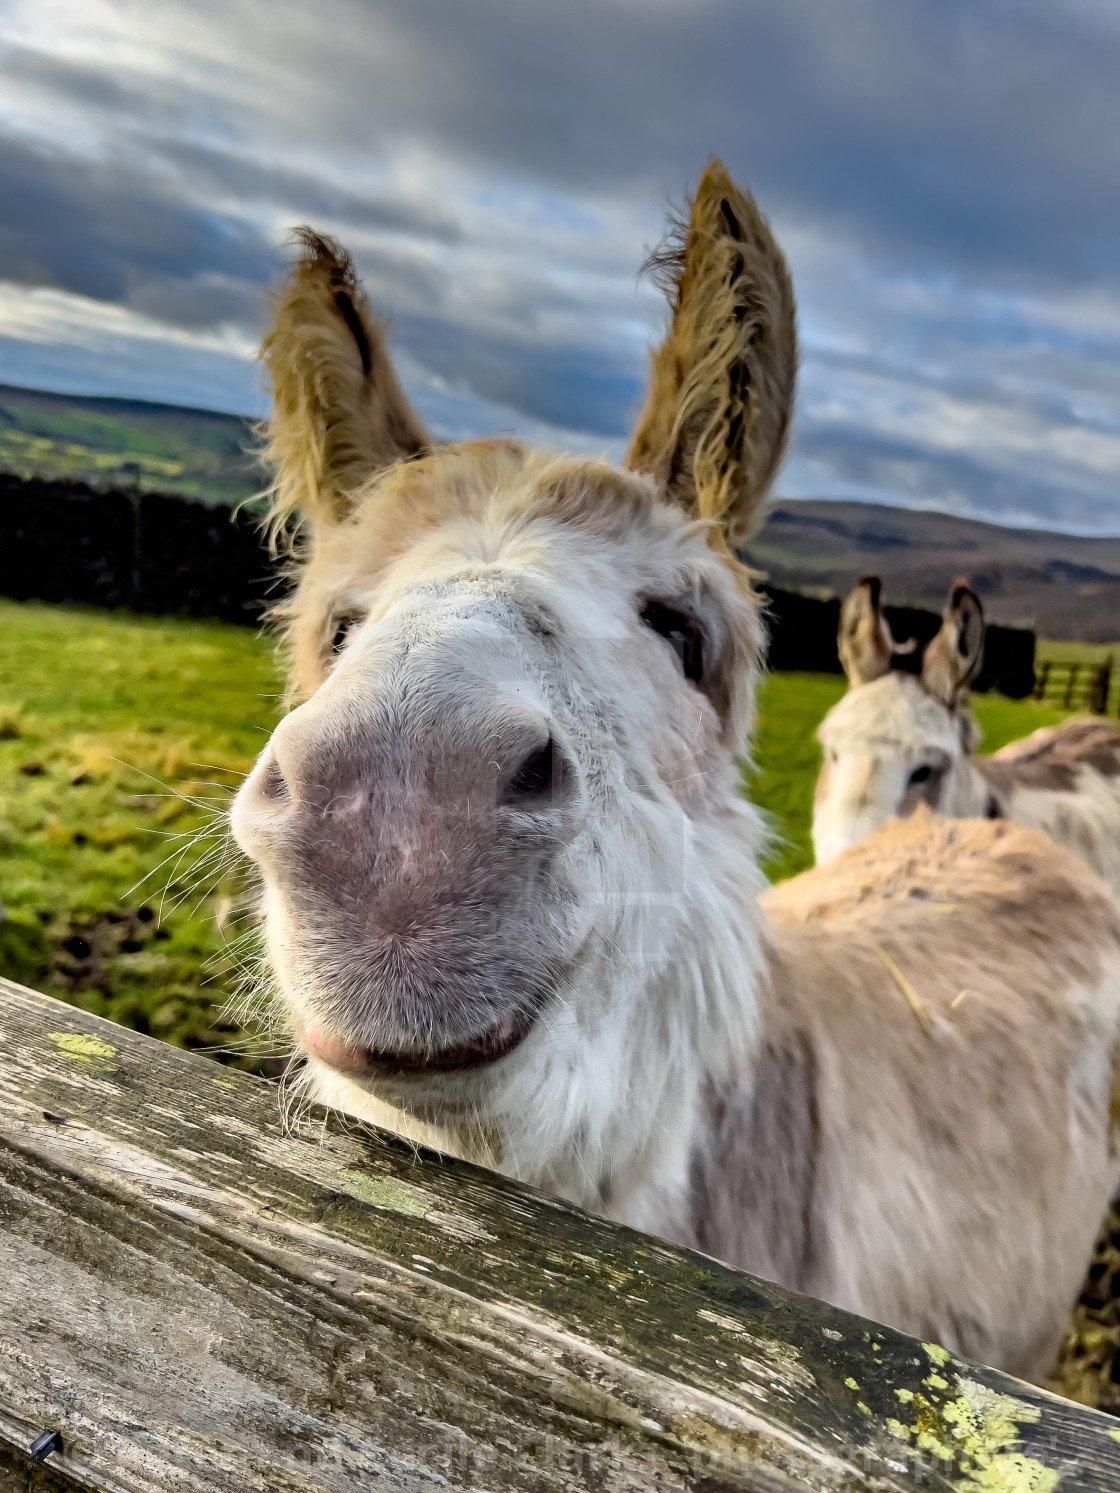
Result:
[
  {"x": 1064, "y": 587},
  {"x": 126, "y": 443}
]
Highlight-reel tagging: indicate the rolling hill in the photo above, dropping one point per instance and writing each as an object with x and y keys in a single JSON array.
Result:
[
  {"x": 128, "y": 443},
  {"x": 1063, "y": 586}
]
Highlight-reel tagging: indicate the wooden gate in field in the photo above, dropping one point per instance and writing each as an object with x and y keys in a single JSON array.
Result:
[
  {"x": 1075, "y": 686},
  {"x": 193, "y": 1297}
]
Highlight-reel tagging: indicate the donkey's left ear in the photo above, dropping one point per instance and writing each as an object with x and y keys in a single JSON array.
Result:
[
  {"x": 338, "y": 412},
  {"x": 864, "y": 639},
  {"x": 715, "y": 421},
  {"x": 953, "y": 658}
]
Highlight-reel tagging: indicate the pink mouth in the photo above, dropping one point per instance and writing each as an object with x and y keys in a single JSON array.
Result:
[{"x": 495, "y": 1043}]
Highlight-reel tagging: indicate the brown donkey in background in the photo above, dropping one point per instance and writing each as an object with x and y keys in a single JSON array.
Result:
[{"x": 511, "y": 884}]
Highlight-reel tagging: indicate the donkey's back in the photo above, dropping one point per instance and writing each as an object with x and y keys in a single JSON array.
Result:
[
  {"x": 1065, "y": 780},
  {"x": 945, "y": 1017}
]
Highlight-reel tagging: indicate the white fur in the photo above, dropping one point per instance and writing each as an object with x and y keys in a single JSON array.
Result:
[
  {"x": 751, "y": 1082},
  {"x": 599, "y": 1104}
]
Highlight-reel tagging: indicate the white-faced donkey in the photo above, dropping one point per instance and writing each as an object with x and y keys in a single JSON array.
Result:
[
  {"x": 899, "y": 740},
  {"x": 511, "y": 882}
]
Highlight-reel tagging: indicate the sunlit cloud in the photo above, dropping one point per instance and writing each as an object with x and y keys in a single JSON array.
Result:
[{"x": 943, "y": 179}]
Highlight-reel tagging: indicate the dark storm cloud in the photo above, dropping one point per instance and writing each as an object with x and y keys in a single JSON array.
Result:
[
  {"x": 94, "y": 88},
  {"x": 970, "y": 134},
  {"x": 575, "y": 388},
  {"x": 911, "y": 472},
  {"x": 944, "y": 175},
  {"x": 103, "y": 230},
  {"x": 202, "y": 167}
]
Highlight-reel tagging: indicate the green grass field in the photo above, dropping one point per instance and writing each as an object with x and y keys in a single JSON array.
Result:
[
  {"x": 120, "y": 737},
  {"x": 116, "y": 732}
]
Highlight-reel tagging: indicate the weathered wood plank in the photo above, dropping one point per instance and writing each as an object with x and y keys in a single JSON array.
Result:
[{"x": 198, "y": 1300}]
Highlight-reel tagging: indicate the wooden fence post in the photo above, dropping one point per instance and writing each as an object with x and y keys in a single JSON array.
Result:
[
  {"x": 195, "y": 1298},
  {"x": 1099, "y": 689}
]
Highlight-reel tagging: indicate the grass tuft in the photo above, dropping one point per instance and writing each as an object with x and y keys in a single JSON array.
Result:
[{"x": 121, "y": 741}]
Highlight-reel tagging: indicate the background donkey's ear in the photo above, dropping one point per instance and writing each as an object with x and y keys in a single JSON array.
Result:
[
  {"x": 715, "y": 421},
  {"x": 864, "y": 640},
  {"x": 953, "y": 658},
  {"x": 338, "y": 412}
]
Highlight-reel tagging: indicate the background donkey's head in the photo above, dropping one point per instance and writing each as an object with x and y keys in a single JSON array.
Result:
[
  {"x": 896, "y": 739},
  {"x": 508, "y": 800}
]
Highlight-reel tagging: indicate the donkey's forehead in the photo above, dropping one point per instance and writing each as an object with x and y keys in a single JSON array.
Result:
[
  {"x": 492, "y": 504},
  {"x": 894, "y": 709},
  {"x": 493, "y": 605},
  {"x": 488, "y": 478}
]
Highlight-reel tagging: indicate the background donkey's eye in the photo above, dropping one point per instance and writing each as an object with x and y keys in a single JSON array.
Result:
[
  {"x": 344, "y": 624},
  {"x": 921, "y": 774},
  {"x": 678, "y": 629}
]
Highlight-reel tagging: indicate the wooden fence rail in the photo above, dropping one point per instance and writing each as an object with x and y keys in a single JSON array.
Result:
[
  {"x": 1075, "y": 686},
  {"x": 195, "y": 1299}
]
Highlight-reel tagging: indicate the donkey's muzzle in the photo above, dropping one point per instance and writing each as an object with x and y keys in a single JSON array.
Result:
[{"x": 414, "y": 875}]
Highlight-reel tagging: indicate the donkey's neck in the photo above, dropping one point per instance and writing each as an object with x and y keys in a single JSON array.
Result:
[
  {"x": 674, "y": 1023},
  {"x": 1019, "y": 790}
]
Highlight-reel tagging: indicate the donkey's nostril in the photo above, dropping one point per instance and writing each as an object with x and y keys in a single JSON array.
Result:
[
  {"x": 272, "y": 783},
  {"x": 535, "y": 778}
]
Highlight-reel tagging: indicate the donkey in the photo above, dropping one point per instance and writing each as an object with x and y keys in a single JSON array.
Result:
[
  {"x": 897, "y": 740},
  {"x": 511, "y": 885}
]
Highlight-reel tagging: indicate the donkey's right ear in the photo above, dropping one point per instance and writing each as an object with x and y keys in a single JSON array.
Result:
[
  {"x": 715, "y": 421},
  {"x": 953, "y": 658},
  {"x": 864, "y": 639},
  {"x": 338, "y": 412}
]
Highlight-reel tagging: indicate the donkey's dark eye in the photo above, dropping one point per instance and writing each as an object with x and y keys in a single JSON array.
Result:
[
  {"x": 921, "y": 774},
  {"x": 344, "y": 624},
  {"x": 679, "y": 630}
]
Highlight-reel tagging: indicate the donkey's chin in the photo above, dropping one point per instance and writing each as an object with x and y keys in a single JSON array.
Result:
[{"x": 490, "y": 1046}]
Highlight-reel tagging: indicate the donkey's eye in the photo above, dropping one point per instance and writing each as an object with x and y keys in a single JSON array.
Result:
[
  {"x": 921, "y": 774},
  {"x": 682, "y": 633},
  {"x": 344, "y": 625}
]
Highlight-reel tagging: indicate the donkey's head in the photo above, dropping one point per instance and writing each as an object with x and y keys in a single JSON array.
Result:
[
  {"x": 896, "y": 739},
  {"x": 509, "y": 801}
]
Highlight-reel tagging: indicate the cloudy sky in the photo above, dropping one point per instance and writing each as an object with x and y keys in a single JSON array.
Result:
[{"x": 944, "y": 175}]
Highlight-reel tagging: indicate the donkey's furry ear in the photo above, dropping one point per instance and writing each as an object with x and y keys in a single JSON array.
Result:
[
  {"x": 338, "y": 413},
  {"x": 953, "y": 658},
  {"x": 717, "y": 414},
  {"x": 864, "y": 639}
]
